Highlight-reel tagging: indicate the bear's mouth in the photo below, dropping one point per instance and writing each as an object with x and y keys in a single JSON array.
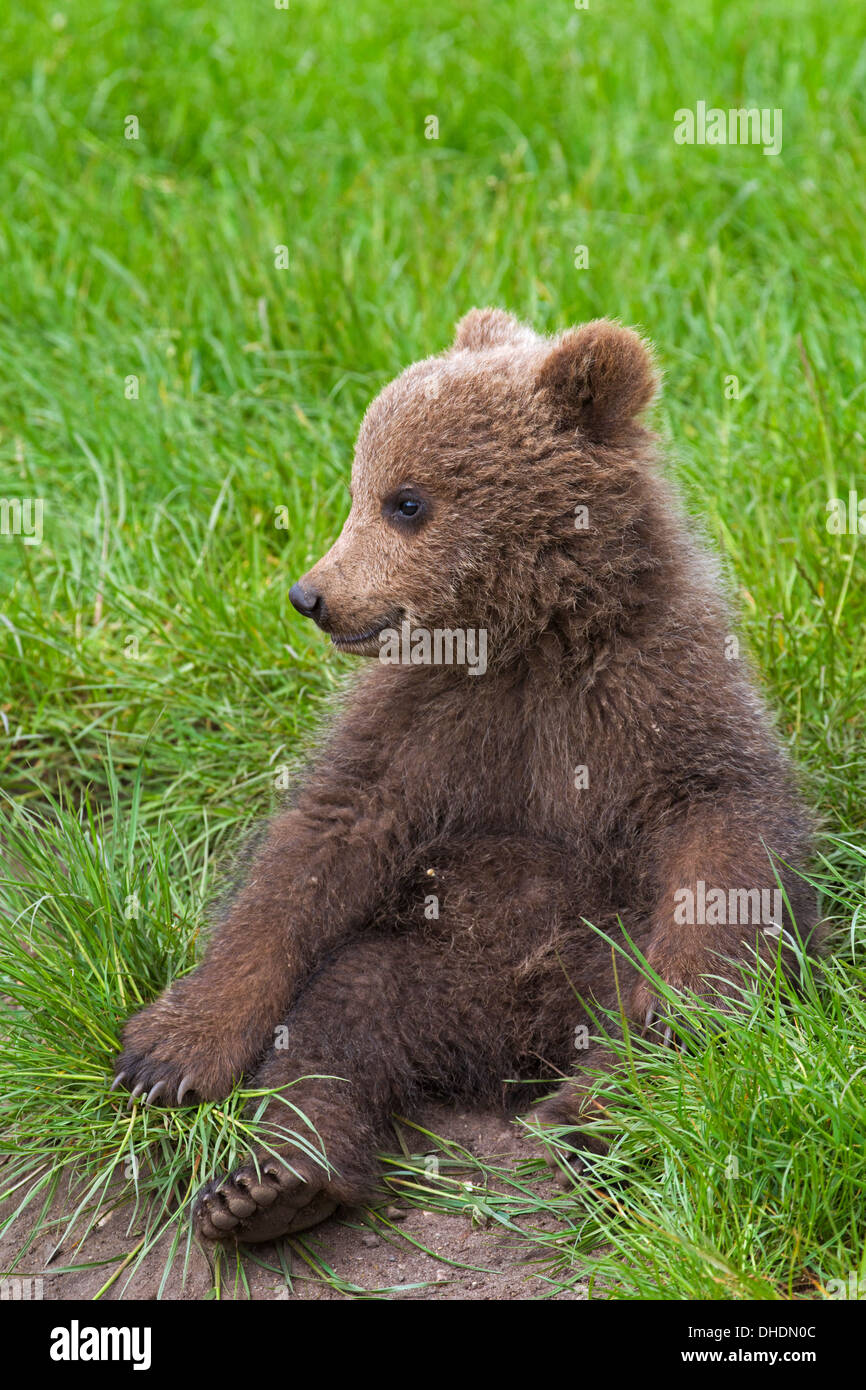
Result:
[
  {"x": 359, "y": 638},
  {"x": 356, "y": 641}
]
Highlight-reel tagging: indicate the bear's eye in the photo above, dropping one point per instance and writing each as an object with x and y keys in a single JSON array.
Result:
[{"x": 405, "y": 507}]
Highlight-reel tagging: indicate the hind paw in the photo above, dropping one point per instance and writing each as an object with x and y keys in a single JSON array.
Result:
[{"x": 264, "y": 1202}]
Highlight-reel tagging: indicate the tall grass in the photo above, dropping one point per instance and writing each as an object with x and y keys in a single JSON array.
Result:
[{"x": 185, "y": 409}]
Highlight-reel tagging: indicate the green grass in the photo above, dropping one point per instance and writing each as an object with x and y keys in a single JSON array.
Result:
[{"x": 153, "y": 670}]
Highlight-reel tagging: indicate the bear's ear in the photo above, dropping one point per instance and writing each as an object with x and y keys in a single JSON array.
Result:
[
  {"x": 487, "y": 328},
  {"x": 598, "y": 378}
]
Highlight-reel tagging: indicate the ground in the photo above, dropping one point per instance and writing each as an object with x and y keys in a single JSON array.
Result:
[
  {"x": 392, "y": 1251},
  {"x": 223, "y": 228}
]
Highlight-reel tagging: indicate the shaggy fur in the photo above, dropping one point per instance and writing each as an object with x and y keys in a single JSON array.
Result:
[{"x": 606, "y": 650}]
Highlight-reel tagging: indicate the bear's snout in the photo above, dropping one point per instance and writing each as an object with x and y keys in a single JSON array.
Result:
[{"x": 308, "y": 601}]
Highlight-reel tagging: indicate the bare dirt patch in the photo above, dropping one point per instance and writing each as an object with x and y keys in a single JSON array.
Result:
[{"x": 379, "y": 1257}]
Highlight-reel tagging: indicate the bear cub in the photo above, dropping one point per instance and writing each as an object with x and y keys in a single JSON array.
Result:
[{"x": 414, "y": 923}]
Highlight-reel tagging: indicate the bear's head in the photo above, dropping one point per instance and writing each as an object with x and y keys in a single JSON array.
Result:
[{"x": 494, "y": 487}]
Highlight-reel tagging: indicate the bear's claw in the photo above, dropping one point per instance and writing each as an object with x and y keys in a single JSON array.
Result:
[{"x": 187, "y": 1084}]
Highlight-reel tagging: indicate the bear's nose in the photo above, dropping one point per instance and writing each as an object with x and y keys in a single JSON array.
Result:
[{"x": 307, "y": 601}]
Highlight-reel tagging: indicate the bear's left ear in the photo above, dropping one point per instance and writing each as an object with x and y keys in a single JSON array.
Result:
[
  {"x": 488, "y": 328},
  {"x": 598, "y": 378}
]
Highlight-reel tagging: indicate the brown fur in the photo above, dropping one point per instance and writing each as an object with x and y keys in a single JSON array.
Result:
[{"x": 606, "y": 649}]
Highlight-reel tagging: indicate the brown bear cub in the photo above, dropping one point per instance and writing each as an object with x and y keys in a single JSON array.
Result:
[{"x": 554, "y": 734}]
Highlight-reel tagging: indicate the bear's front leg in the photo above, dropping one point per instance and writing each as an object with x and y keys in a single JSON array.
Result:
[
  {"x": 718, "y": 903},
  {"x": 209, "y": 1028},
  {"x": 723, "y": 900},
  {"x": 322, "y": 871},
  {"x": 194, "y": 1043}
]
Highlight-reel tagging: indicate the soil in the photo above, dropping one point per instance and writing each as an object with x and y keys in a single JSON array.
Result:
[{"x": 371, "y": 1259}]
